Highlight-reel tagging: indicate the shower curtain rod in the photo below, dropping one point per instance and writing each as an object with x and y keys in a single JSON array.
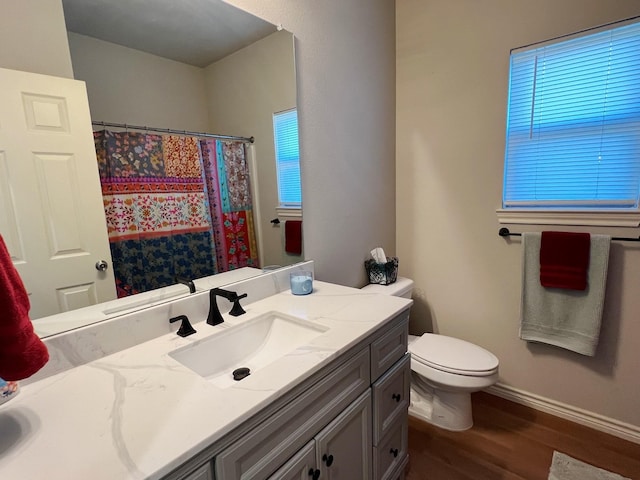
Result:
[
  {"x": 176, "y": 132},
  {"x": 504, "y": 232}
]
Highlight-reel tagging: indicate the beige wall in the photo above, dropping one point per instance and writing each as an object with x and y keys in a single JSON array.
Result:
[
  {"x": 130, "y": 86},
  {"x": 452, "y": 74},
  {"x": 346, "y": 107},
  {"x": 244, "y": 90},
  {"x": 34, "y": 38}
]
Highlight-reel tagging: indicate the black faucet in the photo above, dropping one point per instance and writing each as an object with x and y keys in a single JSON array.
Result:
[
  {"x": 215, "y": 318},
  {"x": 187, "y": 282},
  {"x": 185, "y": 328}
]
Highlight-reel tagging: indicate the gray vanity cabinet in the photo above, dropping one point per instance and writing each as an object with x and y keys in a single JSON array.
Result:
[
  {"x": 390, "y": 404},
  {"x": 205, "y": 472},
  {"x": 343, "y": 448},
  {"x": 341, "y": 451},
  {"x": 271, "y": 443},
  {"x": 302, "y": 466},
  {"x": 391, "y": 375},
  {"x": 347, "y": 422}
]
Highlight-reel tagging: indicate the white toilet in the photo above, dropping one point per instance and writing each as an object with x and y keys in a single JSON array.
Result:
[{"x": 444, "y": 371}]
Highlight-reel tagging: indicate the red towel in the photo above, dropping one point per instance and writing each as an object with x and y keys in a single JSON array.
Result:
[
  {"x": 22, "y": 353},
  {"x": 293, "y": 237},
  {"x": 564, "y": 260}
]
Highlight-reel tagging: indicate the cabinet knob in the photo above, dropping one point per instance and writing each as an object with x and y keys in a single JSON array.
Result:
[
  {"x": 394, "y": 452},
  {"x": 327, "y": 459},
  {"x": 314, "y": 474},
  {"x": 396, "y": 397}
]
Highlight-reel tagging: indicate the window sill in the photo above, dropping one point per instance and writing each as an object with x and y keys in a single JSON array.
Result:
[
  {"x": 569, "y": 217},
  {"x": 289, "y": 212}
]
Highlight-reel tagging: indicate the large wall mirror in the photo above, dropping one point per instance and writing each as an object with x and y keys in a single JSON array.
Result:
[{"x": 200, "y": 66}]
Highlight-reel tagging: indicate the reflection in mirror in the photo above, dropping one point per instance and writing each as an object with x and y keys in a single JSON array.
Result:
[
  {"x": 178, "y": 207},
  {"x": 135, "y": 75}
]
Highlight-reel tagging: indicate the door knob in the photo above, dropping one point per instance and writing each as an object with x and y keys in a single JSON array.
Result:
[{"x": 102, "y": 266}]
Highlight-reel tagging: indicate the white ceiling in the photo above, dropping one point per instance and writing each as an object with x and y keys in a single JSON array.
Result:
[{"x": 196, "y": 32}]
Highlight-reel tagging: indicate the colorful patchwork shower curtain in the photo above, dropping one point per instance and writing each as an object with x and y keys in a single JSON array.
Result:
[
  {"x": 229, "y": 194},
  {"x": 158, "y": 211}
]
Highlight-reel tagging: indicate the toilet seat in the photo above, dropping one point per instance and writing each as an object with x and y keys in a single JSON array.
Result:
[{"x": 453, "y": 355}]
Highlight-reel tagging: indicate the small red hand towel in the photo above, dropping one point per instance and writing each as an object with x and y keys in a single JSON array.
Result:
[
  {"x": 293, "y": 237},
  {"x": 564, "y": 260},
  {"x": 22, "y": 353}
]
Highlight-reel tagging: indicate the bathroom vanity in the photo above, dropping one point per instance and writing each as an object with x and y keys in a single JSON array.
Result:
[
  {"x": 348, "y": 421},
  {"x": 327, "y": 396}
]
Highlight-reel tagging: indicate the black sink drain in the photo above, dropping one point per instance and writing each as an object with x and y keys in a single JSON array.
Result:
[{"x": 240, "y": 373}]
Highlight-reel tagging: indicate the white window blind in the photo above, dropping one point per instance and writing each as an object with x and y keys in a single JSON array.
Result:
[
  {"x": 573, "y": 125},
  {"x": 285, "y": 128}
]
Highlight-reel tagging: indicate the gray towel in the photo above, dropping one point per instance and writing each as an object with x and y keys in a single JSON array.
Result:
[{"x": 566, "y": 318}]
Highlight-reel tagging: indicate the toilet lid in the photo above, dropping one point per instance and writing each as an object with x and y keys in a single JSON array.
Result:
[{"x": 453, "y": 355}]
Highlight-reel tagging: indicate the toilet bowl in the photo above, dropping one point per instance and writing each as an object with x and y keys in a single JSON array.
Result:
[{"x": 444, "y": 371}]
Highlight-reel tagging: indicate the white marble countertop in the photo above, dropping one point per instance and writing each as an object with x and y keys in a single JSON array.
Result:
[{"x": 139, "y": 414}]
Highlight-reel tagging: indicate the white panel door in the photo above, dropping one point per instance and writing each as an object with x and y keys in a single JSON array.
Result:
[{"x": 51, "y": 211}]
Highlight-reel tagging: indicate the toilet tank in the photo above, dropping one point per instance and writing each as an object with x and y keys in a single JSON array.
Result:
[{"x": 402, "y": 287}]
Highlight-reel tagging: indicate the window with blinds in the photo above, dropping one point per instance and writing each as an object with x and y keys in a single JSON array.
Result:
[
  {"x": 573, "y": 125},
  {"x": 285, "y": 131}
]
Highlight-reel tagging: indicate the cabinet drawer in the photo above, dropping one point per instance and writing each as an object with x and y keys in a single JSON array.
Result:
[
  {"x": 391, "y": 452},
  {"x": 259, "y": 453},
  {"x": 389, "y": 348},
  {"x": 391, "y": 397}
]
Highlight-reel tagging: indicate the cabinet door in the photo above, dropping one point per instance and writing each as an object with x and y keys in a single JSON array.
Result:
[
  {"x": 343, "y": 448},
  {"x": 264, "y": 449},
  {"x": 203, "y": 473},
  {"x": 302, "y": 465}
]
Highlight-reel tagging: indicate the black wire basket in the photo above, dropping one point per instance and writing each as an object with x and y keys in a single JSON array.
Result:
[{"x": 382, "y": 273}]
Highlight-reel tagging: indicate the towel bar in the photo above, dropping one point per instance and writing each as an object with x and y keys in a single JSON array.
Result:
[{"x": 504, "y": 232}]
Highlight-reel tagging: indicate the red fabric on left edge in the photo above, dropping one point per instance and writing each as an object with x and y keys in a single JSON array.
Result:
[
  {"x": 293, "y": 237},
  {"x": 22, "y": 353},
  {"x": 564, "y": 260}
]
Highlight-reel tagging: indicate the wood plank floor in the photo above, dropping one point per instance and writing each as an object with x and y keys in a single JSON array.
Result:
[{"x": 511, "y": 442}]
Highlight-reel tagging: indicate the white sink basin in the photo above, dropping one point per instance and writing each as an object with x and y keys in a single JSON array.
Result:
[{"x": 253, "y": 344}]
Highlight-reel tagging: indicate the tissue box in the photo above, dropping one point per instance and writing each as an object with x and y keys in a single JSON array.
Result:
[{"x": 382, "y": 273}]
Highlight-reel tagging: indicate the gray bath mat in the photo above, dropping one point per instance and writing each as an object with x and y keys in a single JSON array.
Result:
[{"x": 563, "y": 467}]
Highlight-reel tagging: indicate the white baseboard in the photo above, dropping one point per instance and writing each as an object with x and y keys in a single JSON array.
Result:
[{"x": 568, "y": 412}]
